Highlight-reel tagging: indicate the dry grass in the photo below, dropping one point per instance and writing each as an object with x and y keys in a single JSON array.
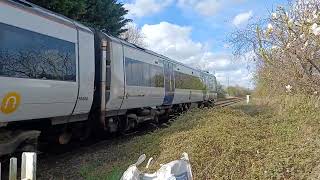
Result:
[{"x": 257, "y": 141}]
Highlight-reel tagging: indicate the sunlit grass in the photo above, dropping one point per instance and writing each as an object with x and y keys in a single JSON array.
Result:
[{"x": 256, "y": 141}]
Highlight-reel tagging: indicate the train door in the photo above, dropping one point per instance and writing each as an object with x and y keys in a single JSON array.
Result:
[{"x": 169, "y": 83}]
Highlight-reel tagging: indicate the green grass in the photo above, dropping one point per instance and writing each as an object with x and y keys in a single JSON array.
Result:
[{"x": 274, "y": 140}]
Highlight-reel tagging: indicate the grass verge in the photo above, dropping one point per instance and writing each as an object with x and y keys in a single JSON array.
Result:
[{"x": 257, "y": 141}]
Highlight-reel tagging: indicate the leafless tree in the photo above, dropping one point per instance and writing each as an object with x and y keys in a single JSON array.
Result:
[
  {"x": 287, "y": 47},
  {"x": 133, "y": 35}
]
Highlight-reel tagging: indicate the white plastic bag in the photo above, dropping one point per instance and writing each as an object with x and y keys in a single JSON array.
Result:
[
  {"x": 133, "y": 173},
  {"x": 175, "y": 170}
]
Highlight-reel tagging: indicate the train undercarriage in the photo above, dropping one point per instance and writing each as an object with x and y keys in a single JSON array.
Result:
[{"x": 26, "y": 138}]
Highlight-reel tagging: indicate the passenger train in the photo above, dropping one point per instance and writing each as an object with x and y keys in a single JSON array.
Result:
[{"x": 60, "y": 77}]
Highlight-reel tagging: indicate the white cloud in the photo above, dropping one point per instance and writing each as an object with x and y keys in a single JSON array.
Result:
[
  {"x": 175, "y": 42},
  {"x": 242, "y": 18},
  {"x": 171, "y": 40},
  {"x": 140, "y": 8}
]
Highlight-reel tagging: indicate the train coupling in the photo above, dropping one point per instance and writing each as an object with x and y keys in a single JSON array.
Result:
[{"x": 11, "y": 141}]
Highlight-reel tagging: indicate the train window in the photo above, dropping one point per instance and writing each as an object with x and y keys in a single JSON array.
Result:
[
  {"x": 186, "y": 81},
  {"x": 133, "y": 72},
  {"x": 143, "y": 74},
  {"x": 27, "y": 54},
  {"x": 157, "y": 77},
  {"x": 146, "y": 79}
]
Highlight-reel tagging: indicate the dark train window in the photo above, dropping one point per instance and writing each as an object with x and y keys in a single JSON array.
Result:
[
  {"x": 27, "y": 54},
  {"x": 143, "y": 74},
  {"x": 156, "y": 75},
  {"x": 186, "y": 81}
]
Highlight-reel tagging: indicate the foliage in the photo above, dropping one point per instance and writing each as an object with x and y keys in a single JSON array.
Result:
[
  {"x": 237, "y": 91},
  {"x": 287, "y": 48},
  {"x": 108, "y": 15}
]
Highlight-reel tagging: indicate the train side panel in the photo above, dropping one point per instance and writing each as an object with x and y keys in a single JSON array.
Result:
[
  {"x": 188, "y": 85},
  {"x": 181, "y": 95},
  {"x": 144, "y": 79},
  {"x": 197, "y": 87},
  {"x": 197, "y": 94},
  {"x": 86, "y": 72},
  {"x": 38, "y": 65}
]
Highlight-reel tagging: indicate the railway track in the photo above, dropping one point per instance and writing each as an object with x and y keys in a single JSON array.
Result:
[
  {"x": 228, "y": 102},
  {"x": 57, "y": 155}
]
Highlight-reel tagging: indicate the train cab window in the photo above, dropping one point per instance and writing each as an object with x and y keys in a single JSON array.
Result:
[
  {"x": 27, "y": 54},
  {"x": 143, "y": 74}
]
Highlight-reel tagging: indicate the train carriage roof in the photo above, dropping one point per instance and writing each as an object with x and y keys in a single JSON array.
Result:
[{"x": 32, "y": 8}]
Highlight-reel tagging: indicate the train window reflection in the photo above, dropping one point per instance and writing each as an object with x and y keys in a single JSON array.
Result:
[{"x": 27, "y": 54}]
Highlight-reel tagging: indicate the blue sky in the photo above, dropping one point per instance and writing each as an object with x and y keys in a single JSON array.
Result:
[{"x": 195, "y": 32}]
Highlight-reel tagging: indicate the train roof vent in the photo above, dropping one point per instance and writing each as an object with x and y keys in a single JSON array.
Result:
[{"x": 22, "y": 2}]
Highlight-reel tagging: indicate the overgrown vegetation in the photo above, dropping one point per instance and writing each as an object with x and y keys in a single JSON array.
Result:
[
  {"x": 237, "y": 91},
  {"x": 286, "y": 47},
  {"x": 265, "y": 140}
]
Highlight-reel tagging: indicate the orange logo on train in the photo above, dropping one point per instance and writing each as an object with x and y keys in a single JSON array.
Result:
[{"x": 10, "y": 103}]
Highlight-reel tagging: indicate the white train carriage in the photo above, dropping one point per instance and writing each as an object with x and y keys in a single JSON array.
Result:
[
  {"x": 45, "y": 64},
  {"x": 140, "y": 84},
  {"x": 55, "y": 71},
  {"x": 46, "y": 70}
]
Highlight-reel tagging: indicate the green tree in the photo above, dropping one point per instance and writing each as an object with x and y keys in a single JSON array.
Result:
[{"x": 107, "y": 15}]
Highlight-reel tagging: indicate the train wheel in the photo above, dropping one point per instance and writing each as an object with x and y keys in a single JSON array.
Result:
[
  {"x": 211, "y": 104},
  {"x": 127, "y": 123},
  {"x": 201, "y": 105},
  {"x": 164, "y": 118},
  {"x": 65, "y": 137},
  {"x": 156, "y": 119},
  {"x": 86, "y": 131},
  {"x": 180, "y": 108}
]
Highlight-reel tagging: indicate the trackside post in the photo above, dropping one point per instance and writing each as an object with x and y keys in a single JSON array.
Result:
[
  {"x": 13, "y": 169},
  {"x": 29, "y": 166},
  {"x": 248, "y": 99}
]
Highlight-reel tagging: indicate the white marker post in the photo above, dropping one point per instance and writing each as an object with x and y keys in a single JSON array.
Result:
[
  {"x": 29, "y": 166},
  {"x": 248, "y": 99},
  {"x": 13, "y": 169}
]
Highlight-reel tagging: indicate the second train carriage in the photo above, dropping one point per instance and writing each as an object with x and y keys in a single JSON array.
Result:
[
  {"x": 55, "y": 71},
  {"x": 148, "y": 83}
]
